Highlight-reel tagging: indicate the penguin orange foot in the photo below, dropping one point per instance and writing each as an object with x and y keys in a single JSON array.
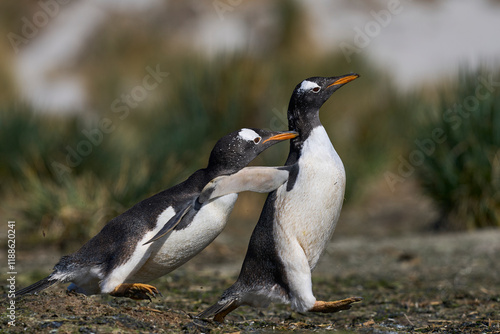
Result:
[
  {"x": 336, "y": 306},
  {"x": 137, "y": 291}
]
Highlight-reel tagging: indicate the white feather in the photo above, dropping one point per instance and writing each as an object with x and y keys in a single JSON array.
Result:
[
  {"x": 307, "y": 85},
  {"x": 87, "y": 281},
  {"x": 248, "y": 134}
]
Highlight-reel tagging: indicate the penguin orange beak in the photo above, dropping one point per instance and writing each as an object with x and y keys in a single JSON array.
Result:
[
  {"x": 282, "y": 136},
  {"x": 344, "y": 80}
]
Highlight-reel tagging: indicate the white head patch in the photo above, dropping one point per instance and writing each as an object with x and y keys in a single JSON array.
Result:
[
  {"x": 248, "y": 134},
  {"x": 307, "y": 85}
]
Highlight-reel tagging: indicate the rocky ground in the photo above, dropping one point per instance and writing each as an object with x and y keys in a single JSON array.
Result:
[{"x": 411, "y": 280}]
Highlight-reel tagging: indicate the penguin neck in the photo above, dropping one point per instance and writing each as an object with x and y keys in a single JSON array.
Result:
[
  {"x": 211, "y": 172},
  {"x": 202, "y": 177},
  {"x": 304, "y": 121}
]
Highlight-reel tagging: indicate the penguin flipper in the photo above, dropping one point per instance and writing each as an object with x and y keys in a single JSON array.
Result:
[
  {"x": 256, "y": 179},
  {"x": 38, "y": 286},
  {"x": 171, "y": 224},
  {"x": 219, "y": 310}
]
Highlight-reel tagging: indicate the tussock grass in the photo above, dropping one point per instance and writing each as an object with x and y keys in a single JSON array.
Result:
[
  {"x": 462, "y": 173},
  {"x": 169, "y": 135},
  {"x": 61, "y": 201}
]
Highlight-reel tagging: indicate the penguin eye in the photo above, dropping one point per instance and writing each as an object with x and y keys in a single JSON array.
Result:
[
  {"x": 256, "y": 140},
  {"x": 316, "y": 89}
]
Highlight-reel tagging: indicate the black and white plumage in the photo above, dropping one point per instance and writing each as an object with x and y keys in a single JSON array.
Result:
[
  {"x": 162, "y": 232},
  {"x": 298, "y": 219}
]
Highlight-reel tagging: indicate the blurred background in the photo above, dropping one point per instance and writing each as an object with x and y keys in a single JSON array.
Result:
[{"x": 104, "y": 103}]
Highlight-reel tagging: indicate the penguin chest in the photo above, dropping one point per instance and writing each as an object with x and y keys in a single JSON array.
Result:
[
  {"x": 181, "y": 245},
  {"x": 307, "y": 214}
]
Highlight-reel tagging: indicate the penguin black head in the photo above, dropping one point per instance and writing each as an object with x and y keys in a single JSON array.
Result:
[
  {"x": 308, "y": 97},
  {"x": 237, "y": 149},
  {"x": 314, "y": 91}
]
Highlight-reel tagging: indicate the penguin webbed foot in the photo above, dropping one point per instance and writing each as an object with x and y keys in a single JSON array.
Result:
[
  {"x": 136, "y": 291},
  {"x": 335, "y": 306},
  {"x": 220, "y": 317}
]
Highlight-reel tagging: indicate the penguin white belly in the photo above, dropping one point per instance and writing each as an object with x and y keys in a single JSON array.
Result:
[
  {"x": 142, "y": 252},
  {"x": 87, "y": 282},
  {"x": 84, "y": 280},
  {"x": 179, "y": 246},
  {"x": 309, "y": 212},
  {"x": 306, "y": 216}
]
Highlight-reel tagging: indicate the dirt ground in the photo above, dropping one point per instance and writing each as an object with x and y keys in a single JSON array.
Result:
[{"x": 411, "y": 280}]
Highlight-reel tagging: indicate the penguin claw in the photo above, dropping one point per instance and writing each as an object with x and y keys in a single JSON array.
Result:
[{"x": 136, "y": 291}]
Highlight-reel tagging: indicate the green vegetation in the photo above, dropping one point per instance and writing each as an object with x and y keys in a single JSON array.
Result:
[
  {"x": 461, "y": 172},
  {"x": 61, "y": 197},
  {"x": 64, "y": 176}
]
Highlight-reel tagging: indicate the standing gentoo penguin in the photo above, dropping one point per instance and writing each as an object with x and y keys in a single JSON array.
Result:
[
  {"x": 122, "y": 256},
  {"x": 298, "y": 218}
]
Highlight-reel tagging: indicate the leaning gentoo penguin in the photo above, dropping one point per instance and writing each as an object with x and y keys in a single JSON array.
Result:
[
  {"x": 298, "y": 218},
  {"x": 123, "y": 255}
]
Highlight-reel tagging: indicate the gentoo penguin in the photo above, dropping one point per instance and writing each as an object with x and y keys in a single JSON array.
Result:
[
  {"x": 162, "y": 232},
  {"x": 298, "y": 218}
]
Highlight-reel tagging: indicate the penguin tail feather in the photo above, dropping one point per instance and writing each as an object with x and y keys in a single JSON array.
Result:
[
  {"x": 38, "y": 286},
  {"x": 217, "y": 308}
]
